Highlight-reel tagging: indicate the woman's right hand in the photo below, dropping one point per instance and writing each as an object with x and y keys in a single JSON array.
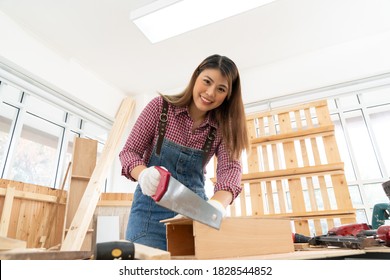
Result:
[{"x": 148, "y": 180}]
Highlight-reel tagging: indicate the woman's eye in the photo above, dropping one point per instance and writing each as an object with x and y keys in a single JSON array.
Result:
[
  {"x": 222, "y": 89},
  {"x": 206, "y": 81}
]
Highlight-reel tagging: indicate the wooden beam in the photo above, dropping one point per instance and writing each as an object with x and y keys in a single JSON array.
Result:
[
  {"x": 32, "y": 196},
  {"x": 7, "y": 208},
  {"x": 294, "y": 172},
  {"x": 84, "y": 213},
  {"x": 295, "y": 135}
]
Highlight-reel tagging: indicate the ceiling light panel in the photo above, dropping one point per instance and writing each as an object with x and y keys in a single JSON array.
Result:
[{"x": 163, "y": 19}]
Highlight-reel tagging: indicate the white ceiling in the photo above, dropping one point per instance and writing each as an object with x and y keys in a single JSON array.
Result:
[{"x": 99, "y": 35}]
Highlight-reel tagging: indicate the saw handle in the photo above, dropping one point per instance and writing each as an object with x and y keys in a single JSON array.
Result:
[{"x": 163, "y": 184}]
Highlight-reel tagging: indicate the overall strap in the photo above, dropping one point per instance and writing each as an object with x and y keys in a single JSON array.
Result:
[
  {"x": 207, "y": 145},
  {"x": 162, "y": 126}
]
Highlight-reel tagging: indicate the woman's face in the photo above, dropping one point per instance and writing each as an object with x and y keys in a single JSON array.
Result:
[{"x": 210, "y": 90}]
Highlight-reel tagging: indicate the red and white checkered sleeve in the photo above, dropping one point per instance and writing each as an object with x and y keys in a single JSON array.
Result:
[{"x": 141, "y": 137}]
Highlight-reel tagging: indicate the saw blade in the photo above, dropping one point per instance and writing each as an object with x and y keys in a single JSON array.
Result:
[{"x": 182, "y": 200}]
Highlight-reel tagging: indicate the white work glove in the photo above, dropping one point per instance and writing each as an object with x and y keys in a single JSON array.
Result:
[
  {"x": 179, "y": 217},
  {"x": 148, "y": 180},
  {"x": 219, "y": 206}
]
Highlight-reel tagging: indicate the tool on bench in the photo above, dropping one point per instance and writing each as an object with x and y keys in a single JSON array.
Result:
[
  {"x": 115, "y": 250},
  {"x": 356, "y": 236},
  {"x": 353, "y": 236},
  {"x": 386, "y": 188},
  {"x": 174, "y": 196}
]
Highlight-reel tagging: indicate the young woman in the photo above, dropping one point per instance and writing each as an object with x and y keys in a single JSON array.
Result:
[{"x": 181, "y": 133}]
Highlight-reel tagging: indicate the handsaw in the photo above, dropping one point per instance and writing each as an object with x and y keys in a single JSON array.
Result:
[{"x": 175, "y": 196}]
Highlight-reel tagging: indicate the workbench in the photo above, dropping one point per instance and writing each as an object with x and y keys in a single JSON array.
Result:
[
  {"x": 317, "y": 254},
  {"x": 306, "y": 254}
]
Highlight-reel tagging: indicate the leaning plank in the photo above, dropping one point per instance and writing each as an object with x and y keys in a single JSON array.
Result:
[{"x": 84, "y": 213}]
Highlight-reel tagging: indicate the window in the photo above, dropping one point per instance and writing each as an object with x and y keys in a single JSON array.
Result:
[{"x": 36, "y": 135}]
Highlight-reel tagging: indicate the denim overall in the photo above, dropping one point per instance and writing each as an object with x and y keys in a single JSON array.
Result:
[{"x": 186, "y": 165}]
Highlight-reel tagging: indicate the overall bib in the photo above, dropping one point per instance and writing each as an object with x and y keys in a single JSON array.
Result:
[{"x": 186, "y": 165}]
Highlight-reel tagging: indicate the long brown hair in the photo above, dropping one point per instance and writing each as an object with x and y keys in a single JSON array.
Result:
[{"x": 230, "y": 115}]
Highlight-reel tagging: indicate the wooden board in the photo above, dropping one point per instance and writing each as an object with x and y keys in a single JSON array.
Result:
[{"x": 237, "y": 237}]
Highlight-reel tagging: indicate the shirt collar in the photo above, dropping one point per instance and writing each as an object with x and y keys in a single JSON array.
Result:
[{"x": 184, "y": 110}]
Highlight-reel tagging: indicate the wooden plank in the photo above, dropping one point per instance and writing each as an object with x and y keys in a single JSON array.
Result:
[
  {"x": 53, "y": 215},
  {"x": 142, "y": 252},
  {"x": 306, "y": 162},
  {"x": 256, "y": 195},
  {"x": 283, "y": 109},
  {"x": 296, "y": 135},
  {"x": 275, "y": 157},
  {"x": 10, "y": 243},
  {"x": 339, "y": 182},
  {"x": 239, "y": 237},
  {"x": 84, "y": 213},
  {"x": 7, "y": 209},
  {"x": 332, "y": 168},
  {"x": 27, "y": 195},
  {"x": 36, "y": 254},
  {"x": 313, "y": 214},
  {"x": 266, "y": 168},
  {"x": 295, "y": 187}
]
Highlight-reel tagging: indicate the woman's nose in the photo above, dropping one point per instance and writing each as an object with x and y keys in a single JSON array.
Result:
[{"x": 210, "y": 91}]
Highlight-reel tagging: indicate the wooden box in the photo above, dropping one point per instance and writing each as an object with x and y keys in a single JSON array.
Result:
[{"x": 237, "y": 237}]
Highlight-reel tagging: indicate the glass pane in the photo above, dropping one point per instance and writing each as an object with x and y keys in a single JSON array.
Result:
[
  {"x": 35, "y": 157},
  {"x": 343, "y": 149},
  {"x": 73, "y": 122},
  {"x": 95, "y": 132},
  {"x": 363, "y": 151},
  {"x": 7, "y": 115},
  {"x": 380, "y": 121},
  {"x": 361, "y": 216},
  {"x": 373, "y": 194},
  {"x": 355, "y": 196},
  {"x": 69, "y": 155},
  {"x": 45, "y": 110},
  {"x": 376, "y": 97},
  {"x": 10, "y": 93},
  {"x": 347, "y": 102}
]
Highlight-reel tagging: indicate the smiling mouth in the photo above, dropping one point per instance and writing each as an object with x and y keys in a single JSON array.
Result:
[{"x": 205, "y": 100}]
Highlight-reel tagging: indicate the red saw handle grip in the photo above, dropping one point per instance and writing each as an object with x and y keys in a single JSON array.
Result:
[{"x": 162, "y": 185}]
